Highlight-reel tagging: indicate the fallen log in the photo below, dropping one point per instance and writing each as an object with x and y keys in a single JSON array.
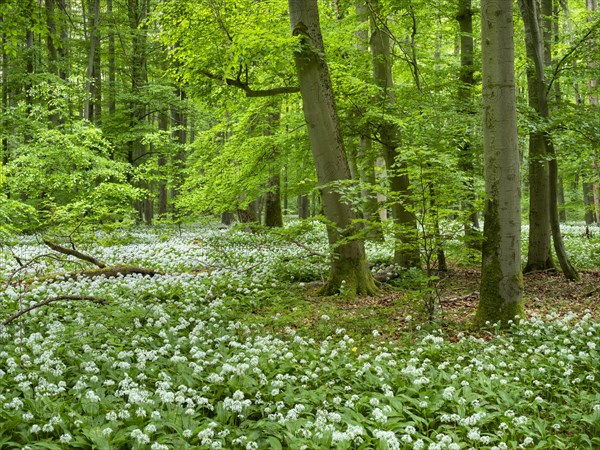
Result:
[
  {"x": 102, "y": 270},
  {"x": 76, "y": 253}
]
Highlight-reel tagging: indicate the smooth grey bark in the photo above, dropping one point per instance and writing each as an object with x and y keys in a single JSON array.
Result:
[
  {"x": 349, "y": 273},
  {"x": 406, "y": 253},
  {"x": 501, "y": 291}
]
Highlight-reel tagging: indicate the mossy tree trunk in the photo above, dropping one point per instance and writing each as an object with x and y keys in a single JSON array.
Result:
[
  {"x": 501, "y": 291},
  {"x": 349, "y": 273}
]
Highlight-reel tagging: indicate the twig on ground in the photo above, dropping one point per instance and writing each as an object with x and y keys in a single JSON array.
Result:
[{"x": 52, "y": 300}]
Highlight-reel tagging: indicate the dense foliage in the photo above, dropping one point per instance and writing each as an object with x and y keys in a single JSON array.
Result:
[{"x": 182, "y": 360}]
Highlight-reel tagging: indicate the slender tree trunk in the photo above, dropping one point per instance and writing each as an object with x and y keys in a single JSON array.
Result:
[
  {"x": 163, "y": 125},
  {"x": 538, "y": 256},
  {"x": 112, "y": 78},
  {"x": 365, "y": 155},
  {"x": 562, "y": 213},
  {"x": 4, "y": 75},
  {"x": 501, "y": 291},
  {"x": 349, "y": 273},
  {"x": 406, "y": 253},
  {"x": 538, "y": 40},
  {"x": 303, "y": 207},
  {"x": 465, "y": 97},
  {"x": 592, "y": 6},
  {"x": 588, "y": 203},
  {"x": 92, "y": 105},
  {"x": 273, "y": 212},
  {"x": 179, "y": 123}
]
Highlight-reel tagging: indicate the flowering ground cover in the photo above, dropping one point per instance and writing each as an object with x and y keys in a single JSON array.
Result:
[{"x": 228, "y": 348}]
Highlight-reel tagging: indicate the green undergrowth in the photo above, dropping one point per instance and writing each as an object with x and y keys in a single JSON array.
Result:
[{"x": 227, "y": 348}]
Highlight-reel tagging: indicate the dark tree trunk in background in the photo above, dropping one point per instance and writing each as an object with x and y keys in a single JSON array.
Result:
[
  {"x": 179, "y": 125},
  {"x": 365, "y": 155},
  {"x": 92, "y": 108},
  {"x": 466, "y": 153},
  {"x": 539, "y": 256},
  {"x": 163, "y": 125},
  {"x": 273, "y": 212},
  {"x": 303, "y": 207},
  {"x": 538, "y": 41},
  {"x": 406, "y": 253},
  {"x": 112, "y": 78}
]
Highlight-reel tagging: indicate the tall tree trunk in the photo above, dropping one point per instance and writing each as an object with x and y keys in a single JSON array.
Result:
[
  {"x": 365, "y": 155},
  {"x": 4, "y": 76},
  {"x": 112, "y": 78},
  {"x": 163, "y": 125},
  {"x": 501, "y": 291},
  {"x": 538, "y": 40},
  {"x": 562, "y": 212},
  {"x": 303, "y": 206},
  {"x": 273, "y": 212},
  {"x": 588, "y": 203},
  {"x": 349, "y": 273},
  {"x": 406, "y": 253},
  {"x": 539, "y": 256},
  {"x": 592, "y": 6},
  {"x": 466, "y": 152},
  {"x": 92, "y": 104},
  {"x": 179, "y": 125},
  {"x": 137, "y": 12},
  {"x": 51, "y": 24}
]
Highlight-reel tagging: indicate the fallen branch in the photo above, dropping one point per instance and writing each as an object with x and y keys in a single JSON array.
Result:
[
  {"x": 75, "y": 253},
  {"x": 310, "y": 251},
  {"x": 52, "y": 300}
]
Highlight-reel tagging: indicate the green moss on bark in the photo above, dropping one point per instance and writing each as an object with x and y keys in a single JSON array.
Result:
[
  {"x": 500, "y": 294},
  {"x": 349, "y": 278}
]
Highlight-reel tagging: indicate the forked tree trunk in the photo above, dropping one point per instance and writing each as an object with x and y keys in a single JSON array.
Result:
[
  {"x": 501, "y": 291},
  {"x": 349, "y": 273},
  {"x": 538, "y": 44}
]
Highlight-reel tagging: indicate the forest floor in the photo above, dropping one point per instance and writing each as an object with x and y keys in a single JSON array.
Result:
[{"x": 398, "y": 312}]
